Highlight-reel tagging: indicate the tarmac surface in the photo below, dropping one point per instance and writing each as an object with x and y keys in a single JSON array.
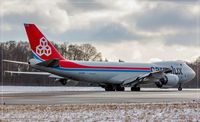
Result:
[{"x": 91, "y": 97}]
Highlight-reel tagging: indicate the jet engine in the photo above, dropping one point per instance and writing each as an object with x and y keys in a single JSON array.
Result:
[{"x": 169, "y": 80}]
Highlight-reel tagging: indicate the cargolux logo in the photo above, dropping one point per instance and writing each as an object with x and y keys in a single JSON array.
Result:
[{"x": 43, "y": 48}]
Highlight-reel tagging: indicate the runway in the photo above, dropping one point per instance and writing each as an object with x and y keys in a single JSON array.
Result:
[{"x": 91, "y": 97}]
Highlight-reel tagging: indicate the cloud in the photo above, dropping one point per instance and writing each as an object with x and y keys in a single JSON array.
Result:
[
  {"x": 81, "y": 6},
  {"x": 144, "y": 29},
  {"x": 42, "y": 13},
  {"x": 184, "y": 38},
  {"x": 101, "y": 32},
  {"x": 165, "y": 17},
  {"x": 137, "y": 52},
  {"x": 169, "y": 22}
]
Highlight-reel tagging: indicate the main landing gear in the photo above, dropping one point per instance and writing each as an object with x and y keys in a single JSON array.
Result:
[
  {"x": 110, "y": 87},
  {"x": 114, "y": 88},
  {"x": 135, "y": 88},
  {"x": 119, "y": 88},
  {"x": 63, "y": 81}
]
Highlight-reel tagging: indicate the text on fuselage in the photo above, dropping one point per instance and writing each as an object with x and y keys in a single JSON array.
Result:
[{"x": 177, "y": 70}]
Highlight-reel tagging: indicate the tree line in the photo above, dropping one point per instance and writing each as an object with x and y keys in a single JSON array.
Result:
[{"x": 20, "y": 51}]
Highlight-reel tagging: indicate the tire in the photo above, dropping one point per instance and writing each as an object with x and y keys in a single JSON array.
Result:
[
  {"x": 179, "y": 88},
  {"x": 109, "y": 88},
  {"x": 63, "y": 82},
  {"x": 119, "y": 88},
  {"x": 159, "y": 84},
  {"x": 135, "y": 88}
]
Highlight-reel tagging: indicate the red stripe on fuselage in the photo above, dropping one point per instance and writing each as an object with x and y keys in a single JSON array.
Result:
[{"x": 68, "y": 64}]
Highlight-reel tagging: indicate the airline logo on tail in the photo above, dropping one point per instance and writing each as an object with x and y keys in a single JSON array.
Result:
[{"x": 43, "y": 48}]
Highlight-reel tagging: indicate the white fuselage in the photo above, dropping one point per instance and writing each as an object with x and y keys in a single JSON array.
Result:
[{"x": 180, "y": 68}]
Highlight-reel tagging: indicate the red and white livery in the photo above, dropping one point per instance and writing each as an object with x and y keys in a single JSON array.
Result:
[{"x": 113, "y": 76}]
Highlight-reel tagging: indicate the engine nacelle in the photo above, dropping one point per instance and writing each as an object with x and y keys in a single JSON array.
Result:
[{"x": 169, "y": 80}]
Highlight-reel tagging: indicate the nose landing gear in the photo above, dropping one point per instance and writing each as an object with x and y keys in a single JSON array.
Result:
[{"x": 180, "y": 87}]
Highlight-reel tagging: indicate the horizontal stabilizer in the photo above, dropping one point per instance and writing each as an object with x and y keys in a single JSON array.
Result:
[
  {"x": 16, "y": 62},
  {"x": 28, "y": 73}
]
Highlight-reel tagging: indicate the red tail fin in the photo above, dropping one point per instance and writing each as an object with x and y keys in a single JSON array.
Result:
[{"x": 42, "y": 48}]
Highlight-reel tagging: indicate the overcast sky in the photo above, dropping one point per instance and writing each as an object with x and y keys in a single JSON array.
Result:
[{"x": 133, "y": 31}]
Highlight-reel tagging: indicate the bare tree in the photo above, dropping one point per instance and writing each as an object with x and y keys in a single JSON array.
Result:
[
  {"x": 74, "y": 52},
  {"x": 90, "y": 52},
  {"x": 63, "y": 49}
]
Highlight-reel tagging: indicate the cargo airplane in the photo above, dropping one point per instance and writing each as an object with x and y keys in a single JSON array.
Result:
[{"x": 112, "y": 76}]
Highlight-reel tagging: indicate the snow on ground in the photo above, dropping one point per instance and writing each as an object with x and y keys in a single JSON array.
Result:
[
  {"x": 103, "y": 112},
  {"x": 34, "y": 89}
]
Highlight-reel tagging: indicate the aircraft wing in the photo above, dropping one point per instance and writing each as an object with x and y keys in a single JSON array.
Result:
[
  {"x": 155, "y": 75},
  {"x": 16, "y": 62}
]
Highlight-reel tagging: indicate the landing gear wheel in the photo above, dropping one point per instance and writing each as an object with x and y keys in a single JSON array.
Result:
[
  {"x": 158, "y": 84},
  {"x": 119, "y": 88},
  {"x": 63, "y": 82},
  {"x": 135, "y": 88},
  {"x": 109, "y": 88},
  {"x": 180, "y": 87}
]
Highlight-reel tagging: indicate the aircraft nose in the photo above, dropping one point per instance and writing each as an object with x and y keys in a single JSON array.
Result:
[{"x": 192, "y": 74}]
